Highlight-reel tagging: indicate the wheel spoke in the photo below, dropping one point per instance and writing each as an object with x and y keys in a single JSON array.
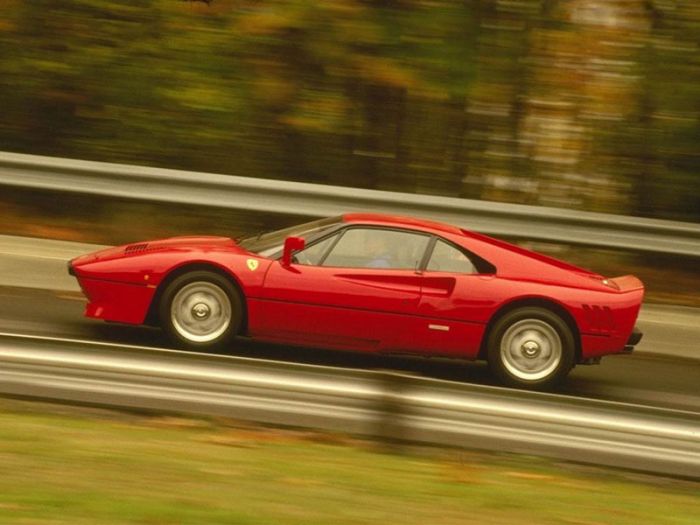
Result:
[
  {"x": 201, "y": 312},
  {"x": 531, "y": 349}
]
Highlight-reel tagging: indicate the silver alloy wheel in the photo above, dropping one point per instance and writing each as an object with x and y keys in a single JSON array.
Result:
[
  {"x": 200, "y": 312},
  {"x": 531, "y": 349}
]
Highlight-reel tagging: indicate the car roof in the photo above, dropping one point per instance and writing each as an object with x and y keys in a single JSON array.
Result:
[{"x": 398, "y": 220}]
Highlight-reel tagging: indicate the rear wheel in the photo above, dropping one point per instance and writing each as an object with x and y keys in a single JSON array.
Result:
[
  {"x": 200, "y": 310},
  {"x": 531, "y": 348}
]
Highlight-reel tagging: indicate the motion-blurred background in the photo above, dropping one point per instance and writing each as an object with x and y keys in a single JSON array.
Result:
[
  {"x": 590, "y": 104},
  {"x": 583, "y": 104},
  {"x": 580, "y": 104}
]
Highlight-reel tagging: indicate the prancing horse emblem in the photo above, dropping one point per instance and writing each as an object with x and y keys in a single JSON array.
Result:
[{"x": 252, "y": 264}]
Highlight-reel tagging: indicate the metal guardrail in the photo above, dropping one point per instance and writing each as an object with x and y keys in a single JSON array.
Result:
[
  {"x": 392, "y": 407},
  {"x": 317, "y": 200}
]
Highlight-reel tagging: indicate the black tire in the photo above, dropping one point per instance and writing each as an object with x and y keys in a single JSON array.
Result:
[
  {"x": 201, "y": 310},
  {"x": 531, "y": 348}
]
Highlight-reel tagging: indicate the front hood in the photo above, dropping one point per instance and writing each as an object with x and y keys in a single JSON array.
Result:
[{"x": 200, "y": 243}]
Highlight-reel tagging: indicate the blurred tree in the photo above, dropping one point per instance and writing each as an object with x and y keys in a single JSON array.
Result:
[{"x": 590, "y": 104}]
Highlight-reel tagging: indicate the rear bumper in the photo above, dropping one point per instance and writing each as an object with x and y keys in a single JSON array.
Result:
[
  {"x": 633, "y": 340},
  {"x": 596, "y": 346}
]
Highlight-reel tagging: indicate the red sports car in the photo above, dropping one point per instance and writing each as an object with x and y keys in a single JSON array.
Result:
[{"x": 371, "y": 283}]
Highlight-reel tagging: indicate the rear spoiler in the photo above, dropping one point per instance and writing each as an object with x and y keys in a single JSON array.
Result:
[{"x": 627, "y": 283}]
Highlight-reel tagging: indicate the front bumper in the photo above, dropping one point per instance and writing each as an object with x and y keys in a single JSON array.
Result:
[{"x": 116, "y": 301}]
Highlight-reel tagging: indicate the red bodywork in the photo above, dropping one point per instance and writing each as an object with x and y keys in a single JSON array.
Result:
[{"x": 371, "y": 309}]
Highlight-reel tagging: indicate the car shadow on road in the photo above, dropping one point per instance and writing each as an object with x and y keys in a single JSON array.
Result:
[{"x": 431, "y": 367}]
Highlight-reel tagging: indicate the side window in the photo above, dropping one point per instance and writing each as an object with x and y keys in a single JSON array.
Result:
[
  {"x": 447, "y": 258},
  {"x": 377, "y": 248},
  {"x": 313, "y": 254}
]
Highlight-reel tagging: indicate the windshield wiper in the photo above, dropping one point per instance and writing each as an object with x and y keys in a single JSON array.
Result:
[{"x": 251, "y": 238}]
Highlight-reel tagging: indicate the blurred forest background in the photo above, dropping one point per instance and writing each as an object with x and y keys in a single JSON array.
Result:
[{"x": 585, "y": 104}]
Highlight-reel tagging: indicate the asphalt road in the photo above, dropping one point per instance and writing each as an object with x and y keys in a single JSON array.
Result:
[{"x": 664, "y": 380}]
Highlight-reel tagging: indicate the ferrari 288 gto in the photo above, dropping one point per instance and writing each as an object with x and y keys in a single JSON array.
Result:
[{"x": 371, "y": 283}]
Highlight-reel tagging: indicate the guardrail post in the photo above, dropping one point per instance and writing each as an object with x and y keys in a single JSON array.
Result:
[{"x": 390, "y": 410}]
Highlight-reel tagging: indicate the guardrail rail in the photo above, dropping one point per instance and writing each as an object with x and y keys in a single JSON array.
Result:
[
  {"x": 318, "y": 200},
  {"x": 390, "y": 406}
]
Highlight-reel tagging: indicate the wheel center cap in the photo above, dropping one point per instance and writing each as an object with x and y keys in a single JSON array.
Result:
[
  {"x": 531, "y": 349},
  {"x": 201, "y": 311}
]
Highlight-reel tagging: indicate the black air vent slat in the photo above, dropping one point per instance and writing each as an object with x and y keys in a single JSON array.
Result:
[{"x": 135, "y": 248}]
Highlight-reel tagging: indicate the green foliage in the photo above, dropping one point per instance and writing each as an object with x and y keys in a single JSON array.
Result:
[{"x": 546, "y": 102}]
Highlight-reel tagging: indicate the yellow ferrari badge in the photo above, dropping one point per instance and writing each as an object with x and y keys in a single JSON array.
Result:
[{"x": 252, "y": 264}]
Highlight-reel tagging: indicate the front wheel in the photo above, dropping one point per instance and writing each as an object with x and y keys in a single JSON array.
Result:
[
  {"x": 200, "y": 310},
  {"x": 531, "y": 348}
]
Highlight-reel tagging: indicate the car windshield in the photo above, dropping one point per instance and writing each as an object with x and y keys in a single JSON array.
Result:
[{"x": 271, "y": 243}]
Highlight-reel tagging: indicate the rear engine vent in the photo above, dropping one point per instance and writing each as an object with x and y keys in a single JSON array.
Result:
[
  {"x": 600, "y": 319},
  {"x": 136, "y": 248}
]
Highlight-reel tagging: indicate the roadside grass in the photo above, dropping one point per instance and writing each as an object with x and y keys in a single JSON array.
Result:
[{"x": 68, "y": 465}]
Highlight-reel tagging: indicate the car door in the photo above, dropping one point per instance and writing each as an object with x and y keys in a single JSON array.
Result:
[
  {"x": 454, "y": 297},
  {"x": 355, "y": 289}
]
